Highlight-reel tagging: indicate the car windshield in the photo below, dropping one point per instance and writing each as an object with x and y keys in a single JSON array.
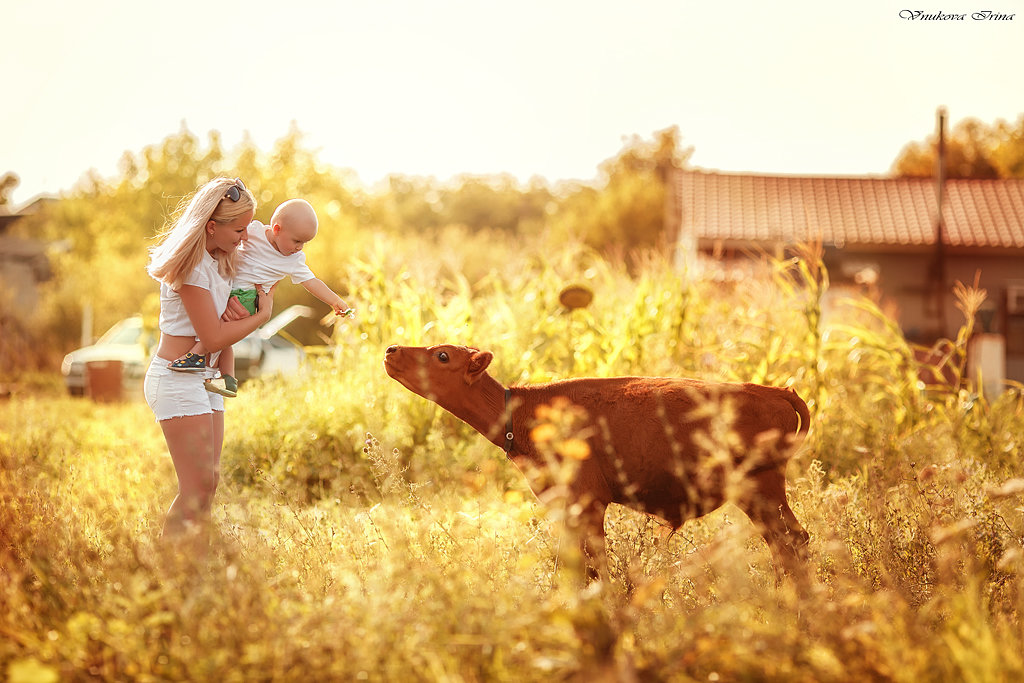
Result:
[{"x": 124, "y": 332}]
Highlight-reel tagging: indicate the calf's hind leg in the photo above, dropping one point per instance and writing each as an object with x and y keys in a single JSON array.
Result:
[{"x": 766, "y": 505}]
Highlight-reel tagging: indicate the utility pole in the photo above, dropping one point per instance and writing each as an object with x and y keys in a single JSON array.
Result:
[{"x": 938, "y": 274}]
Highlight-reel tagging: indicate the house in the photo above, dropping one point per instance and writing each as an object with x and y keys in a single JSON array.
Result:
[
  {"x": 885, "y": 233},
  {"x": 23, "y": 262}
]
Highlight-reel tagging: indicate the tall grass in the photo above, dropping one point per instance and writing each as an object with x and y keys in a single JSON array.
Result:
[{"x": 363, "y": 533}]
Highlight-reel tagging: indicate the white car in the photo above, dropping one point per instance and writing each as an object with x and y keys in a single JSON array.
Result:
[
  {"x": 263, "y": 352},
  {"x": 122, "y": 342},
  {"x": 269, "y": 349}
]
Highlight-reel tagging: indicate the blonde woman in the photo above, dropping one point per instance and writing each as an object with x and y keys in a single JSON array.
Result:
[{"x": 194, "y": 260}]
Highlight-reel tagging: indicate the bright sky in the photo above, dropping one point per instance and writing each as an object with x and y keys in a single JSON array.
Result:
[{"x": 531, "y": 87}]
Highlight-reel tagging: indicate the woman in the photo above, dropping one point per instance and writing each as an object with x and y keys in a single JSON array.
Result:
[{"x": 194, "y": 260}]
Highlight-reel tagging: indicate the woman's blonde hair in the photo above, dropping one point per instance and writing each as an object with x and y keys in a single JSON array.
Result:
[{"x": 180, "y": 245}]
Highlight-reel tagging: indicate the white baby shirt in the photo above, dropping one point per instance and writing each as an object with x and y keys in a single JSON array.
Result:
[{"x": 261, "y": 264}]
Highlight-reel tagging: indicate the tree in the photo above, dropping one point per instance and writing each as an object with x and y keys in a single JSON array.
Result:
[
  {"x": 973, "y": 150},
  {"x": 481, "y": 202},
  {"x": 626, "y": 209},
  {"x": 475, "y": 202},
  {"x": 1009, "y": 153},
  {"x": 108, "y": 225},
  {"x": 8, "y": 181}
]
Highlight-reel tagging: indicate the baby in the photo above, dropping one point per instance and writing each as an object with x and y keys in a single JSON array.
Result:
[{"x": 268, "y": 255}]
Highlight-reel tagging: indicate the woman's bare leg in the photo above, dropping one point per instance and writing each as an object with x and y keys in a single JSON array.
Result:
[
  {"x": 194, "y": 442},
  {"x": 218, "y": 444}
]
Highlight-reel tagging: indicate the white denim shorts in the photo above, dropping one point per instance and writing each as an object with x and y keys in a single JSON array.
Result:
[{"x": 177, "y": 394}]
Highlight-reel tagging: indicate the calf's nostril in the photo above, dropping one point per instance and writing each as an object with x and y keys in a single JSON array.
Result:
[{"x": 390, "y": 350}]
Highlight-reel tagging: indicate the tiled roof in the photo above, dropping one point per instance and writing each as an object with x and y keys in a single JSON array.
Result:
[{"x": 849, "y": 210}]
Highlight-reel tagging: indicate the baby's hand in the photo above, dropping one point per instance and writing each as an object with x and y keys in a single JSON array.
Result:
[{"x": 337, "y": 313}]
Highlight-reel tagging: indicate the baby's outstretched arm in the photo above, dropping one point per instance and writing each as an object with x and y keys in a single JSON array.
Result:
[{"x": 321, "y": 291}]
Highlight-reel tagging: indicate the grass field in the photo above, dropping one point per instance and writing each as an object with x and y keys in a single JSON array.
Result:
[{"x": 361, "y": 533}]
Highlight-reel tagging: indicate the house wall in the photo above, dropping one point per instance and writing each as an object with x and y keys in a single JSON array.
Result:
[
  {"x": 19, "y": 280},
  {"x": 998, "y": 275},
  {"x": 903, "y": 283}
]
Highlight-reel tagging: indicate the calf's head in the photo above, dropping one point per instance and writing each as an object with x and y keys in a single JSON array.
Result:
[{"x": 444, "y": 374}]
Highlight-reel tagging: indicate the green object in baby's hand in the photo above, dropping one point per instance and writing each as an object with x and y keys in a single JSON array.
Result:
[{"x": 348, "y": 313}]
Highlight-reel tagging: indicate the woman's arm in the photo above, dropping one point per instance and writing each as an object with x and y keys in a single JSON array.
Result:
[{"x": 213, "y": 332}]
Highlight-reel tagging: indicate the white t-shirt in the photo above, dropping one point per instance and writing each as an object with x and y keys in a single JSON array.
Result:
[
  {"x": 260, "y": 263},
  {"x": 173, "y": 317}
]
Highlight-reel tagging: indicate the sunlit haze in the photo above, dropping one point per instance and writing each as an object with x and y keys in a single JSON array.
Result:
[{"x": 529, "y": 88}]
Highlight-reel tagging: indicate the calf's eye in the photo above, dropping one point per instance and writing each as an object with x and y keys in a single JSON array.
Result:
[{"x": 442, "y": 356}]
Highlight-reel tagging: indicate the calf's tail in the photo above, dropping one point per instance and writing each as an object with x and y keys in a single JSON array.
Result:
[{"x": 801, "y": 410}]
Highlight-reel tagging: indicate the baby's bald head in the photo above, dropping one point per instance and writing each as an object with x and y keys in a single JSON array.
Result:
[{"x": 297, "y": 217}]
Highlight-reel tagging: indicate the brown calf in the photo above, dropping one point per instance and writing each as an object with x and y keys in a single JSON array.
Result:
[{"x": 653, "y": 443}]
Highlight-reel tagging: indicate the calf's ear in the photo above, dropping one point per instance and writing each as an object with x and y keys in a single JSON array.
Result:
[{"x": 478, "y": 362}]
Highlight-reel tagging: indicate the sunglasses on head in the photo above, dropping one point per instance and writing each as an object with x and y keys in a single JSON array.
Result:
[{"x": 234, "y": 192}]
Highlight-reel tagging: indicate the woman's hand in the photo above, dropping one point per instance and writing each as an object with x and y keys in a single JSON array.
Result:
[
  {"x": 235, "y": 310},
  {"x": 265, "y": 298}
]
